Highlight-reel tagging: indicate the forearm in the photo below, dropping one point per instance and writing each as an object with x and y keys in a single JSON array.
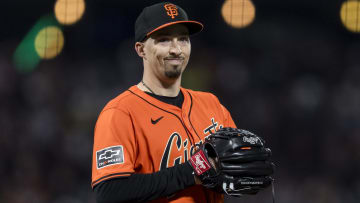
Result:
[{"x": 145, "y": 187}]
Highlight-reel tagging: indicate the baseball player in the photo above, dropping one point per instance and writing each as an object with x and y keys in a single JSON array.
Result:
[{"x": 144, "y": 137}]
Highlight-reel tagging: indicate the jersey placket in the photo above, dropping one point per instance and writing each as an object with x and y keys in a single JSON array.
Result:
[{"x": 185, "y": 110}]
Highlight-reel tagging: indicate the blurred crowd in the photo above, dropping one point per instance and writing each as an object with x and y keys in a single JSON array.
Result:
[{"x": 296, "y": 86}]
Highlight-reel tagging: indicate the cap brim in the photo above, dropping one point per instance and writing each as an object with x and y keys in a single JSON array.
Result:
[{"x": 193, "y": 27}]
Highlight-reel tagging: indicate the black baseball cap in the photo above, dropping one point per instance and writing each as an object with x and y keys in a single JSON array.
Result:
[{"x": 162, "y": 15}]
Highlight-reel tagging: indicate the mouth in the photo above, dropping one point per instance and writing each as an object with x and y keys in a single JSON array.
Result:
[{"x": 174, "y": 60}]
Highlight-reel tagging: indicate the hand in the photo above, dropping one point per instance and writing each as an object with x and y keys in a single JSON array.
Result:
[{"x": 212, "y": 162}]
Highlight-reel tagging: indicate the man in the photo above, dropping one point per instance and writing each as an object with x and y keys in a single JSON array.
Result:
[{"x": 145, "y": 136}]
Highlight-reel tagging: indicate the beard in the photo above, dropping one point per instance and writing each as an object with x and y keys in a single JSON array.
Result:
[
  {"x": 174, "y": 73},
  {"x": 173, "y": 70}
]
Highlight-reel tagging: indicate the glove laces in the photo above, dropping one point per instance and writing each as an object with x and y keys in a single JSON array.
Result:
[{"x": 273, "y": 191}]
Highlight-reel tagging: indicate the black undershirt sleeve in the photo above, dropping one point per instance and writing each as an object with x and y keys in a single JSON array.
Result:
[{"x": 145, "y": 187}]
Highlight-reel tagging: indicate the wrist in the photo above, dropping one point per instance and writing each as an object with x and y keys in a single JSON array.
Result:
[{"x": 197, "y": 180}]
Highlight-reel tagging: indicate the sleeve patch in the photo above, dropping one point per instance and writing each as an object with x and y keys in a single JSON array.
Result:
[{"x": 109, "y": 156}]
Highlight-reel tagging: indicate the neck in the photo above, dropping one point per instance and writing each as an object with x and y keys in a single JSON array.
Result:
[{"x": 169, "y": 89}]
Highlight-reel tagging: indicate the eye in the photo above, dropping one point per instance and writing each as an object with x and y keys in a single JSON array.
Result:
[
  {"x": 184, "y": 39},
  {"x": 163, "y": 39}
]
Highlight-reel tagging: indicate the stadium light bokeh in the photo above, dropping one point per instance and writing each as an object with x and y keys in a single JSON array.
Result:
[
  {"x": 68, "y": 12},
  {"x": 238, "y": 13},
  {"x": 350, "y": 15},
  {"x": 25, "y": 57},
  {"x": 49, "y": 42}
]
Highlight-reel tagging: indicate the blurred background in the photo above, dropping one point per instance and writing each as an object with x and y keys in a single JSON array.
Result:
[{"x": 286, "y": 70}]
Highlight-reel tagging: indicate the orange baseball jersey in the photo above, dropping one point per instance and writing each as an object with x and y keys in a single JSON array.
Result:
[{"x": 136, "y": 133}]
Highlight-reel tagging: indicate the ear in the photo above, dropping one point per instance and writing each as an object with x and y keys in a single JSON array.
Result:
[{"x": 139, "y": 47}]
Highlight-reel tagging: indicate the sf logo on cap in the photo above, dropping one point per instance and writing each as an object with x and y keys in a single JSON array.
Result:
[{"x": 171, "y": 10}]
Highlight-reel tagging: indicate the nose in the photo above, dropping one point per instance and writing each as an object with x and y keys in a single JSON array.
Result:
[{"x": 175, "y": 48}]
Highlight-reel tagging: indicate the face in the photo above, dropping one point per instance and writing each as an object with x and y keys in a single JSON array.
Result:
[{"x": 167, "y": 51}]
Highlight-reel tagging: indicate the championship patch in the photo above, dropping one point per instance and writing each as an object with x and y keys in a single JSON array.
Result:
[{"x": 109, "y": 156}]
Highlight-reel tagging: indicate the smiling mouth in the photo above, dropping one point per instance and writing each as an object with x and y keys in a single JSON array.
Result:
[{"x": 174, "y": 60}]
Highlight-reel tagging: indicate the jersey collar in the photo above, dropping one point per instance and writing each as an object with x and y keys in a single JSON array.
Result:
[{"x": 158, "y": 103}]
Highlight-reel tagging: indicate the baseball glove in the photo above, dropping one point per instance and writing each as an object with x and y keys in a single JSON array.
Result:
[{"x": 234, "y": 162}]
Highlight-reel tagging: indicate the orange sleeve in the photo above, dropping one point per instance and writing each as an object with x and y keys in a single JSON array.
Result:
[{"x": 114, "y": 150}]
